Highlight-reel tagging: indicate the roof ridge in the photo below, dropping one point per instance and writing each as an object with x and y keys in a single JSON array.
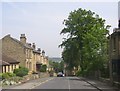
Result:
[{"x": 24, "y": 45}]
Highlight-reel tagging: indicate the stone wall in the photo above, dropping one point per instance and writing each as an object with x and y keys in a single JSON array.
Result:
[{"x": 13, "y": 49}]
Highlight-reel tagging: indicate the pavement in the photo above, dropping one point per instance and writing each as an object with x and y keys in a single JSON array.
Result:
[
  {"x": 29, "y": 84},
  {"x": 100, "y": 85},
  {"x": 65, "y": 83}
]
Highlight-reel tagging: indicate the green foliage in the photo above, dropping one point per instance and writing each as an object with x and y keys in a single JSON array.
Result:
[
  {"x": 11, "y": 74},
  {"x": 43, "y": 68},
  {"x": 58, "y": 67},
  {"x": 7, "y": 75},
  {"x": 0, "y": 75},
  {"x": 22, "y": 71},
  {"x": 86, "y": 41}
]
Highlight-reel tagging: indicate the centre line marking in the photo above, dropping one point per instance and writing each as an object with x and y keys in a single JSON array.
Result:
[
  {"x": 40, "y": 83},
  {"x": 68, "y": 84}
]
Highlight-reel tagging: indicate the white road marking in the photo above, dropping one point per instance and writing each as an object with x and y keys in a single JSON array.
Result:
[
  {"x": 68, "y": 84},
  {"x": 40, "y": 83}
]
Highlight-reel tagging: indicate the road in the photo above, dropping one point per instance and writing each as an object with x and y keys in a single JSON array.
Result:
[
  {"x": 71, "y": 83},
  {"x": 62, "y": 84}
]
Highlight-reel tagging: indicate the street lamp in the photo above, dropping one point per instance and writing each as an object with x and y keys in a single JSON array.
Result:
[{"x": 110, "y": 59}]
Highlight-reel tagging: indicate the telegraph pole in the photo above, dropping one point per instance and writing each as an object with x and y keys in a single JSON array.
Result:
[{"x": 110, "y": 60}]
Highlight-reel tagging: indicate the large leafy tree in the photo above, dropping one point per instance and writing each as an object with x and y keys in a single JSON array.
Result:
[{"x": 86, "y": 42}]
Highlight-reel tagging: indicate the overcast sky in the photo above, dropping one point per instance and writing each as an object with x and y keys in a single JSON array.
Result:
[{"x": 42, "y": 21}]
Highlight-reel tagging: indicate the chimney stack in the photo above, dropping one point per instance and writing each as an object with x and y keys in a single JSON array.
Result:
[
  {"x": 23, "y": 38},
  {"x": 43, "y": 52},
  {"x": 29, "y": 44},
  {"x": 33, "y": 46},
  {"x": 39, "y": 50}
]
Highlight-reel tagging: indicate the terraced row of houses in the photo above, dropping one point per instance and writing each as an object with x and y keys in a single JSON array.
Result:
[{"x": 17, "y": 53}]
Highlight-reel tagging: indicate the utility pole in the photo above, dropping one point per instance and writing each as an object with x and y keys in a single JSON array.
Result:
[{"x": 110, "y": 60}]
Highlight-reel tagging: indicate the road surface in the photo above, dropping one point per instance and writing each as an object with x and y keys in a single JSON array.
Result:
[
  {"x": 61, "y": 84},
  {"x": 72, "y": 83}
]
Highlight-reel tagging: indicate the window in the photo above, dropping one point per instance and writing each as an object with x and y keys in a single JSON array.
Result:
[
  {"x": 12, "y": 67},
  {"x": 15, "y": 66},
  {"x": 8, "y": 68},
  {"x": 5, "y": 69}
]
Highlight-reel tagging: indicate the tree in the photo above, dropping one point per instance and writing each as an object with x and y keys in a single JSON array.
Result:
[
  {"x": 58, "y": 66},
  {"x": 43, "y": 68},
  {"x": 86, "y": 41}
]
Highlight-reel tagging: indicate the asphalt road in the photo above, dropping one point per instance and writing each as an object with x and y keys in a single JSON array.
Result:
[
  {"x": 66, "y": 83},
  {"x": 61, "y": 84}
]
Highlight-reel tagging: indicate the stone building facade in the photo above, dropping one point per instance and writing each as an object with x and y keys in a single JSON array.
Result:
[
  {"x": 115, "y": 54},
  {"x": 22, "y": 51},
  {"x": 8, "y": 64}
]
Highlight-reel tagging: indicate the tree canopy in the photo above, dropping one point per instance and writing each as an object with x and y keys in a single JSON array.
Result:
[
  {"x": 86, "y": 41},
  {"x": 57, "y": 66}
]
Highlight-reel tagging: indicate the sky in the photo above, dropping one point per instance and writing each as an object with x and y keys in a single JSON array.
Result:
[{"x": 42, "y": 22}]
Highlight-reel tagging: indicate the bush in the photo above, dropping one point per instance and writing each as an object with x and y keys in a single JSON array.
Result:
[
  {"x": 43, "y": 68},
  {"x": 78, "y": 73},
  {"x": 0, "y": 76},
  {"x": 11, "y": 74},
  {"x": 7, "y": 75},
  {"x": 22, "y": 71}
]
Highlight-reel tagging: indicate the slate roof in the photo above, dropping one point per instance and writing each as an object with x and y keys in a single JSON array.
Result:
[
  {"x": 35, "y": 51},
  {"x": 24, "y": 45},
  {"x": 38, "y": 62},
  {"x": 116, "y": 30},
  {"x": 4, "y": 63},
  {"x": 8, "y": 60}
]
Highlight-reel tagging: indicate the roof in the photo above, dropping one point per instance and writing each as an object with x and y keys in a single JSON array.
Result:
[
  {"x": 116, "y": 30},
  {"x": 35, "y": 51},
  {"x": 38, "y": 62},
  {"x": 24, "y": 45},
  {"x": 4, "y": 63},
  {"x": 8, "y": 60}
]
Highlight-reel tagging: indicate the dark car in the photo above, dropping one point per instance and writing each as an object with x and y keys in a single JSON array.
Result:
[{"x": 60, "y": 74}]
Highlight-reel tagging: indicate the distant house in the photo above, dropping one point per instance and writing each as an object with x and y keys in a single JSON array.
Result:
[{"x": 8, "y": 64}]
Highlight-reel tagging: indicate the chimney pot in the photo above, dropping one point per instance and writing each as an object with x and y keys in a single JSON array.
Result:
[
  {"x": 22, "y": 35},
  {"x": 29, "y": 44},
  {"x": 34, "y": 45},
  {"x": 39, "y": 49},
  {"x": 43, "y": 52}
]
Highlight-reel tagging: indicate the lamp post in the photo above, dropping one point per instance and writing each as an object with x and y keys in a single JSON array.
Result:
[{"x": 110, "y": 59}]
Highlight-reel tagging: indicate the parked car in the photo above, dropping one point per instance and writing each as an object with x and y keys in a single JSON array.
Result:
[{"x": 60, "y": 74}]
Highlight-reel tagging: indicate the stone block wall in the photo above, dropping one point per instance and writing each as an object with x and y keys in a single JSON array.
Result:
[{"x": 13, "y": 49}]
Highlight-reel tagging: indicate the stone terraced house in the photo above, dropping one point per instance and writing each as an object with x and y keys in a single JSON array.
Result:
[
  {"x": 8, "y": 64},
  {"x": 24, "y": 52}
]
